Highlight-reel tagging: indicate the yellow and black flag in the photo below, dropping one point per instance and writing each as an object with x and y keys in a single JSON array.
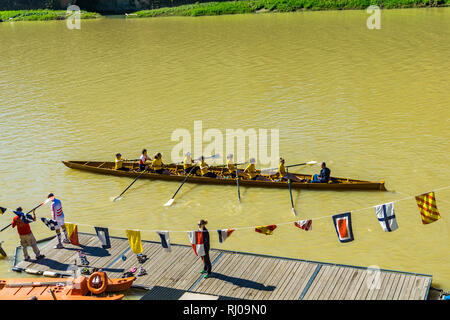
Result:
[
  {"x": 428, "y": 208},
  {"x": 2, "y": 210}
]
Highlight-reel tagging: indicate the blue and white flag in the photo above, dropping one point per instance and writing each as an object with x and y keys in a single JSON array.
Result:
[
  {"x": 224, "y": 234},
  {"x": 25, "y": 217},
  {"x": 386, "y": 216},
  {"x": 103, "y": 236},
  {"x": 165, "y": 241},
  {"x": 51, "y": 224}
]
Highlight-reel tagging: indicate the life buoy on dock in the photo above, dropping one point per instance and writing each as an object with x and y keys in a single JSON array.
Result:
[{"x": 97, "y": 282}]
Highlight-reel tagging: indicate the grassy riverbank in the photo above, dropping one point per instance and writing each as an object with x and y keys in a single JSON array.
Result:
[
  {"x": 42, "y": 15},
  {"x": 255, "y": 6}
]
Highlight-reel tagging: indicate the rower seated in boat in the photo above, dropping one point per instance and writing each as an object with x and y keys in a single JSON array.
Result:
[
  {"x": 188, "y": 164},
  {"x": 157, "y": 165},
  {"x": 204, "y": 169},
  {"x": 251, "y": 171},
  {"x": 231, "y": 166},
  {"x": 144, "y": 160},
  {"x": 284, "y": 175},
  {"x": 118, "y": 163},
  {"x": 324, "y": 175}
]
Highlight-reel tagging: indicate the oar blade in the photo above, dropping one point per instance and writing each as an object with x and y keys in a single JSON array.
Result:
[
  {"x": 293, "y": 212},
  {"x": 2, "y": 210},
  {"x": 310, "y": 163},
  {"x": 169, "y": 203},
  {"x": 114, "y": 199}
]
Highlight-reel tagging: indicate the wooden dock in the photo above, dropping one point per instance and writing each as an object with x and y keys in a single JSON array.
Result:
[{"x": 236, "y": 275}]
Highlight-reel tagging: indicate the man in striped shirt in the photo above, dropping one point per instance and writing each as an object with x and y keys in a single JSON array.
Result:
[{"x": 58, "y": 216}]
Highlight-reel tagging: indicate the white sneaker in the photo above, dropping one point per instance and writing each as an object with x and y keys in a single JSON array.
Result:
[{"x": 66, "y": 241}]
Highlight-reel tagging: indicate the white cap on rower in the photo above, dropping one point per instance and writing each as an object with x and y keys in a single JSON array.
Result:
[
  {"x": 230, "y": 156},
  {"x": 252, "y": 160}
]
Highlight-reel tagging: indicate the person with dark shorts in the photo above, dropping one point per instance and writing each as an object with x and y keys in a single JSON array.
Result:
[{"x": 206, "y": 260}]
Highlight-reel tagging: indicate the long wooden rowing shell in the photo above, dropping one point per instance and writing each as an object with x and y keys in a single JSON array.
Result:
[{"x": 178, "y": 175}]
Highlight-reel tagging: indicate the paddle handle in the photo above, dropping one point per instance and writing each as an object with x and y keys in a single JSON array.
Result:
[
  {"x": 190, "y": 171},
  {"x": 237, "y": 182},
  {"x": 132, "y": 182},
  {"x": 26, "y": 213},
  {"x": 290, "y": 191}
]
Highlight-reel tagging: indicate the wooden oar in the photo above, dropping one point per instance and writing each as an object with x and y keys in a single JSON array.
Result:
[
  {"x": 170, "y": 202},
  {"x": 119, "y": 196},
  {"x": 271, "y": 170},
  {"x": 27, "y": 212},
  {"x": 237, "y": 182},
  {"x": 290, "y": 192}
]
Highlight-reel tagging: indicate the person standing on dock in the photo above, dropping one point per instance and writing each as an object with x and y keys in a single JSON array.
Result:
[
  {"x": 144, "y": 160},
  {"x": 206, "y": 261},
  {"x": 26, "y": 236},
  {"x": 58, "y": 216}
]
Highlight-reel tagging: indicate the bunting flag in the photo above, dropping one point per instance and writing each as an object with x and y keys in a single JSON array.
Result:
[
  {"x": 103, "y": 235},
  {"x": 386, "y": 216},
  {"x": 343, "y": 224},
  {"x": 165, "y": 241},
  {"x": 51, "y": 224},
  {"x": 267, "y": 230},
  {"x": 134, "y": 238},
  {"x": 428, "y": 208},
  {"x": 304, "y": 224},
  {"x": 72, "y": 232},
  {"x": 224, "y": 234},
  {"x": 196, "y": 238},
  {"x": 2, "y": 210}
]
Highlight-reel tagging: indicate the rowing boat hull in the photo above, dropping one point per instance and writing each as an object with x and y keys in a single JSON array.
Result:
[{"x": 338, "y": 184}]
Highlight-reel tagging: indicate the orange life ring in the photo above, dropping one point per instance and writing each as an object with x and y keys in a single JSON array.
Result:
[{"x": 97, "y": 282}]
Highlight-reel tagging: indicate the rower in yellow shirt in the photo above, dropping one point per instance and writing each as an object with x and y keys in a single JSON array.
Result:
[
  {"x": 284, "y": 175},
  {"x": 230, "y": 165},
  {"x": 118, "y": 163},
  {"x": 204, "y": 169},
  {"x": 188, "y": 164},
  {"x": 252, "y": 173},
  {"x": 157, "y": 165}
]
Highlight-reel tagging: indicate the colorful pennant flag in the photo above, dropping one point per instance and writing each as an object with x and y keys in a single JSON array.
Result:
[
  {"x": 51, "y": 224},
  {"x": 224, "y": 234},
  {"x": 134, "y": 238},
  {"x": 2, "y": 210},
  {"x": 386, "y": 216},
  {"x": 428, "y": 208},
  {"x": 304, "y": 224},
  {"x": 343, "y": 224},
  {"x": 267, "y": 230},
  {"x": 197, "y": 243},
  {"x": 103, "y": 236},
  {"x": 72, "y": 232},
  {"x": 165, "y": 241}
]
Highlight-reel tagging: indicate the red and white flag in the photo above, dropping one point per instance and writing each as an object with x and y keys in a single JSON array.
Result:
[
  {"x": 197, "y": 242},
  {"x": 304, "y": 224}
]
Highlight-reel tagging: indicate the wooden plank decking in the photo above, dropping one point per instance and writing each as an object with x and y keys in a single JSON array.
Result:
[{"x": 235, "y": 274}]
